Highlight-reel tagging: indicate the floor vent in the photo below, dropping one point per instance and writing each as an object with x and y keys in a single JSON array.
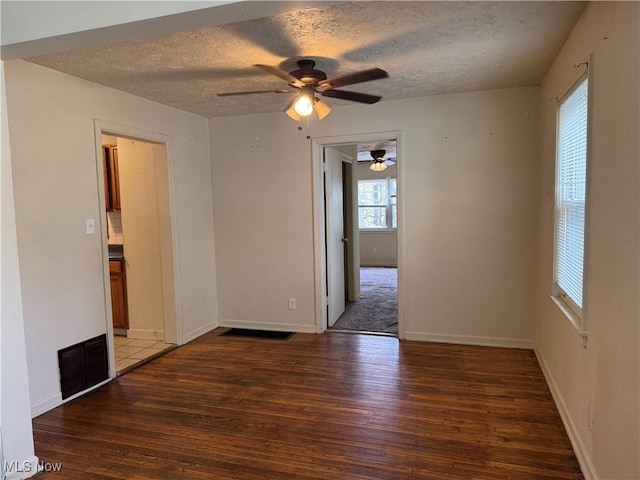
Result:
[
  {"x": 83, "y": 365},
  {"x": 244, "y": 332}
]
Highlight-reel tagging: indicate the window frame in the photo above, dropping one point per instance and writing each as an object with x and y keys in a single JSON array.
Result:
[
  {"x": 575, "y": 313},
  {"x": 388, "y": 206}
]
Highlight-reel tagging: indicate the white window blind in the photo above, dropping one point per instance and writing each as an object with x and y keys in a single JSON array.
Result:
[{"x": 571, "y": 195}]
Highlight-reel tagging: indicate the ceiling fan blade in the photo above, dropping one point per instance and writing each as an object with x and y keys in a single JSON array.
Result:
[
  {"x": 389, "y": 162},
  {"x": 350, "y": 79},
  {"x": 353, "y": 96},
  {"x": 321, "y": 108},
  {"x": 290, "y": 79},
  {"x": 252, "y": 92}
]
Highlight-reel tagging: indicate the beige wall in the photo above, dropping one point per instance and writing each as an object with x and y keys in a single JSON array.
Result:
[
  {"x": 140, "y": 224},
  {"x": 378, "y": 248},
  {"x": 603, "y": 377},
  {"x": 262, "y": 207},
  {"x": 16, "y": 441},
  {"x": 53, "y": 150},
  {"x": 469, "y": 183}
]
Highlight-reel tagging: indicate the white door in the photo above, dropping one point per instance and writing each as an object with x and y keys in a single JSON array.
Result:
[{"x": 335, "y": 234}]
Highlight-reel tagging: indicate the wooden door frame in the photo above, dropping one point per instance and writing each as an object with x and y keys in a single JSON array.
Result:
[
  {"x": 107, "y": 128},
  {"x": 319, "y": 243}
]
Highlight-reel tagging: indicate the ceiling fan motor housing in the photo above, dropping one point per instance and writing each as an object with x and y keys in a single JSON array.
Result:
[
  {"x": 378, "y": 155},
  {"x": 307, "y": 73}
]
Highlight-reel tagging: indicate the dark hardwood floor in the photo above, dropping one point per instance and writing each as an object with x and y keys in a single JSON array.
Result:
[{"x": 334, "y": 406}]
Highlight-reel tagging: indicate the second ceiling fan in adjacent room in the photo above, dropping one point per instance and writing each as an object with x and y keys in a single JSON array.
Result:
[{"x": 379, "y": 162}]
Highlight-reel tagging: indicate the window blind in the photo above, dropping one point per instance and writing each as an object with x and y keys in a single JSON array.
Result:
[{"x": 571, "y": 194}]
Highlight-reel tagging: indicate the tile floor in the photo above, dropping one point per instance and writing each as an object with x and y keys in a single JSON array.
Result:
[{"x": 130, "y": 351}]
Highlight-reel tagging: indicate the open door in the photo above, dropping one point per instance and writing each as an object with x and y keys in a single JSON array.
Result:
[{"x": 334, "y": 220}]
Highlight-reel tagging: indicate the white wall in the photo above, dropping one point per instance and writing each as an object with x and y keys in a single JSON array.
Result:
[
  {"x": 56, "y": 175},
  {"x": 16, "y": 441},
  {"x": 606, "y": 374},
  {"x": 469, "y": 183}
]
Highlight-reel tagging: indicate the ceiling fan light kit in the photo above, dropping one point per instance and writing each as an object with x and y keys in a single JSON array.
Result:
[
  {"x": 322, "y": 109},
  {"x": 304, "y": 105},
  {"x": 377, "y": 166},
  {"x": 379, "y": 163},
  {"x": 308, "y": 81},
  {"x": 291, "y": 111}
]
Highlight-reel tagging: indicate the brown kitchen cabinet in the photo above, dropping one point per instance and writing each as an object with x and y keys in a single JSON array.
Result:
[
  {"x": 119, "y": 308},
  {"x": 111, "y": 177}
]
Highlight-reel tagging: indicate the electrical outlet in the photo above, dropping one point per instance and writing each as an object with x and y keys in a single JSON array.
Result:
[
  {"x": 590, "y": 416},
  {"x": 292, "y": 304}
]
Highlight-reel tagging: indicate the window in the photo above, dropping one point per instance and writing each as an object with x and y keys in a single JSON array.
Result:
[
  {"x": 377, "y": 207},
  {"x": 571, "y": 182}
]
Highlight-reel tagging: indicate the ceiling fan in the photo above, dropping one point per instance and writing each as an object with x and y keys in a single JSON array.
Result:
[
  {"x": 379, "y": 163},
  {"x": 307, "y": 82}
]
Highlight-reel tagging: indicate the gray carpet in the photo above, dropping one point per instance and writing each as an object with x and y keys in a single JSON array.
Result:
[{"x": 377, "y": 309}]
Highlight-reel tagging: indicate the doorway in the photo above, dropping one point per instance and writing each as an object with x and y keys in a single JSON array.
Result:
[
  {"x": 137, "y": 240},
  {"x": 358, "y": 254},
  {"x": 376, "y": 310}
]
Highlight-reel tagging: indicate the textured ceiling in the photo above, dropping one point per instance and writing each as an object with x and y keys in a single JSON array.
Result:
[
  {"x": 364, "y": 150},
  {"x": 428, "y": 48}
]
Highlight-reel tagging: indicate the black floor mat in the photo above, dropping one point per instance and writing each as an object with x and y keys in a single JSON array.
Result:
[{"x": 244, "y": 332}]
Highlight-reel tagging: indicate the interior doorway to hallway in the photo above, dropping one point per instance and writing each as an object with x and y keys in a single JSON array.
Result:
[{"x": 360, "y": 236}]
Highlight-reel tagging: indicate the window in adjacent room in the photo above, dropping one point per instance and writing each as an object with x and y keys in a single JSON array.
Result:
[
  {"x": 571, "y": 183},
  {"x": 377, "y": 208}
]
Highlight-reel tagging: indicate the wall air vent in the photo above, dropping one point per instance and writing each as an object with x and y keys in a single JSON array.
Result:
[{"x": 83, "y": 365}]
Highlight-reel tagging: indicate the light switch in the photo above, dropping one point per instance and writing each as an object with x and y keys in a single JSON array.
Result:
[{"x": 89, "y": 226}]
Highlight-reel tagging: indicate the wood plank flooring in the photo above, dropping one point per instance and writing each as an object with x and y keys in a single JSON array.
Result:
[{"x": 334, "y": 406}]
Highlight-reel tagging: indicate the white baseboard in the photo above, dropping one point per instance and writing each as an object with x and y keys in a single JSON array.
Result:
[
  {"x": 470, "y": 340},
  {"x": 56, "y": 400},
  {"x": 193, "y": 334},
  {"x": 279, "y": 327},
  {"x": 44, "y": 406},
  {"x": 584, "y": 458},
  {"x": 143, "y": 334},
  {"x": 24, "y": 469}
]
